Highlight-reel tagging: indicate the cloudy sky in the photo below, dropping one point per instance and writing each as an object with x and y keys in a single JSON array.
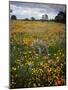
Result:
[{"x": 27, "y": 10}]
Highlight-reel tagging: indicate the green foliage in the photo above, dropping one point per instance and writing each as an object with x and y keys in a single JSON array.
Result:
[
  {"x": 13, "y": 17},
  {"x": 61, "y": 17}
]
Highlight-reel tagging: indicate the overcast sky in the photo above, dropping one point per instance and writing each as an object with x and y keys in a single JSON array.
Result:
[{"x": 27, "y": 10}]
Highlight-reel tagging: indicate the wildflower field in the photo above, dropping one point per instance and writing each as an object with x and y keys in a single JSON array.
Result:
[{"x": 37, "y": 54}]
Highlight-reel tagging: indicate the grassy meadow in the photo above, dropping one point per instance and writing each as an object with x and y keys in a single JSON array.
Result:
[{"x": 37, "y": 54}]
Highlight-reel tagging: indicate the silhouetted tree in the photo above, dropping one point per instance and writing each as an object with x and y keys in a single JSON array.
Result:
[
  {"x": 13, "y": 17},
  {"x": 61, "y": 17},
  {"x": 26, "y": 19},
  {"x": 32, "y": 18},
  {"x": 45, "y": 17}
]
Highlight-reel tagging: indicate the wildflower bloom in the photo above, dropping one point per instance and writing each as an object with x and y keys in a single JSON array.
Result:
[
  {"x": 58, "y": 82},
  {"x": 40, "y": 52},
  {"x": 21, "y": 68},
  {"x": 41, "y": 42},
  {"x": 30, "y": 67},
  {"x": 37, "y": 40}
]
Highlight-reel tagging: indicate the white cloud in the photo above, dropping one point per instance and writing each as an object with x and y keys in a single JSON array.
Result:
[
  {"x": 23, "y": 11},
  {"x": 27, "y": 12}
]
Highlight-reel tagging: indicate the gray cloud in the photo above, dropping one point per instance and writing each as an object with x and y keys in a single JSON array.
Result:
[{"x": 23, "y": 9}]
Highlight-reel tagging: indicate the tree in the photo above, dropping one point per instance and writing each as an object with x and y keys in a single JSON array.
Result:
[
  {"x": 26, "y": 19},
  {"x": 13, "y": 17},
  {"x": 32, "y": 18},
  {"x": 45, "y": 17},
  {"x": 61, "y": 17}
]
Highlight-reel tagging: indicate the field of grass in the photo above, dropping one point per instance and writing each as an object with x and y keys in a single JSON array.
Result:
[{"x": 37, "y": 54}]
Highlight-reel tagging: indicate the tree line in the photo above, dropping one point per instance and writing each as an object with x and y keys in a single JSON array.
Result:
[{"x": 61, "y": 18}]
